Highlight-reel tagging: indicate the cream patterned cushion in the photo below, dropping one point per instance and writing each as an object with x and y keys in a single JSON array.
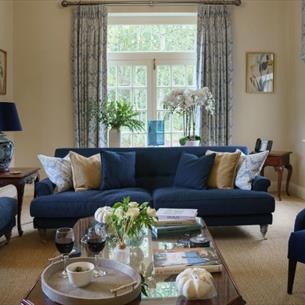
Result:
[
  {"x": 86, "y": 171},
  {"x": 249, "y": 167},
  {"x": 58, "y": 171}
]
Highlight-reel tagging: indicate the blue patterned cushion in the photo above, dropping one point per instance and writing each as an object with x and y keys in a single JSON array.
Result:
[
  {"x": 249, "y": 168},
  {"x": 58, "y": 171}
]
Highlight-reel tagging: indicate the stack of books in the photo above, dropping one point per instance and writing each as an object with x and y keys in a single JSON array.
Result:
[{"x": 175, "y": 222}]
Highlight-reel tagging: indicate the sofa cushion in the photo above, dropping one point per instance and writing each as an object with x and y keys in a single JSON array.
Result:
[
  {"x": 224, "y": 170},
  {"x": 82, "y": 204},
  {"x": 250, "y": 167},
  {"x": 58, "y": 170},
  {"x": 86, "y": 172},
  {"x": 119, "y": 169},
  {"x": 193, "y": 172},
  {"x": 214, "y": 201}
]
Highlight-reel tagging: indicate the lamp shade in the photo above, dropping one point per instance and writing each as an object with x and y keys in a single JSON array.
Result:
[{"x": 9, "y": 119}]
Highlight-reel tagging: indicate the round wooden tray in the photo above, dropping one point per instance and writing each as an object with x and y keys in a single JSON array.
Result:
[{"x": 98, "y": 291}]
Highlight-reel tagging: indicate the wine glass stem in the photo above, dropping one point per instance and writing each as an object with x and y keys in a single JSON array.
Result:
[
  {"x": 96, "y": 263},
  {"x": 66, "y": 257}
]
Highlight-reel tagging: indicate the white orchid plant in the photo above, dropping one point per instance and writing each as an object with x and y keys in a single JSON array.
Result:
[
  {"x": 126, "y": 219},
  {"x": 187, "y": 102}
]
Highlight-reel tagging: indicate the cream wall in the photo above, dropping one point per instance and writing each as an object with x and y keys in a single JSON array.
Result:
[
  {"x": 6, "y": 44},
  {"x": 296, "y": 101},
  {"x": 42, "y": 78},
  {"x": 260, "y": 26}
]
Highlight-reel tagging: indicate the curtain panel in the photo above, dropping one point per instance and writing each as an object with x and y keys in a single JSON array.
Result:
[
  {"x": 215, "y": 70},
  {"x": 303, "y": 31},
  {"x": 89, "y": 73}
]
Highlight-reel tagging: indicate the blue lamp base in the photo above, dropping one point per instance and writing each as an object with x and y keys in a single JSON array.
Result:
[{"x": 6, "y": 152}]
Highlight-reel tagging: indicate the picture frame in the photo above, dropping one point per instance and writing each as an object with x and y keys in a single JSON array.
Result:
[
  {"x": 263, "y": 145},
  {"x": 260, "y": 72},
  {"x": 3, "y": 72}
]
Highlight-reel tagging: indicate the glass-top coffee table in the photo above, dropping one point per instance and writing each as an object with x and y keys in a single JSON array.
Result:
[{"x": 161, "y": 288}]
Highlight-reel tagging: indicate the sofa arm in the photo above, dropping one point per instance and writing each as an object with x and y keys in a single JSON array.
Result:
[
  {"x": 260, "y": 184},
  {"x": 44, "y": 187}
]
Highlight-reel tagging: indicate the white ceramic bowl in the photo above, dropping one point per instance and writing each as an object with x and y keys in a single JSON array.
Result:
[{"x": 80, "y": 278}]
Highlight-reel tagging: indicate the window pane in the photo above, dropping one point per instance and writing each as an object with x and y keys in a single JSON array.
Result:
[
  {"x": 161, "y": 93},
  {"x": 126, "y": 139},
  {"x": 163, "y": 76},
  {"x": 190, "y": 75},
  {"x": 124, "y": 75},
  {"x": 177, "y": 121},
  {"x": 140, "y": 99},
  {"x": 111, "y": 94},
  {"x": 178, "y": 75},
  {"x": 175, "y": 139},
  {"x": 124, "y": 94},
  {"x": 140, "y": 76},
  {"x": 139, "y": 140},
  {"x": 151, "y": 37},
  {"x": 111, "y": 78}
]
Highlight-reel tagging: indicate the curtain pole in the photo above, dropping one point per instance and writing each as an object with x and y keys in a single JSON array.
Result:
[{"x": 67, "y": 3}]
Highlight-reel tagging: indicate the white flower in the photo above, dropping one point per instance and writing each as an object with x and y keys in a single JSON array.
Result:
[
  {"x": 133, "y": 204},
  {"x": 133, "y": 212},
  {"x": 119, "y": 212},
  {"x": 151, "y": 212}
]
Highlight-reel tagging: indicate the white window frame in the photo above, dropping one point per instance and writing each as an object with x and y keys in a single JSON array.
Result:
[{"x": 152, "y": 59}]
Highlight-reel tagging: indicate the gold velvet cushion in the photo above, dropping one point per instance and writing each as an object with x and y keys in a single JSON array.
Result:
[
  {"x": 224, "y": 170},
  {"x": 86, "y": 172}
]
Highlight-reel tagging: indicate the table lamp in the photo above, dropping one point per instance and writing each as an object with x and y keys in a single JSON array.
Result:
[
  {"x": 156, "y": 132},
  {"x": 9, "y": 121}
]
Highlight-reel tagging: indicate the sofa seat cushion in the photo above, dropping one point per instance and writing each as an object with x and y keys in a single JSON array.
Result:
[
  {"x": 214, "y": 201},
  {"x": 8, "y": 210},
  {"x": 83, "y": 204}
]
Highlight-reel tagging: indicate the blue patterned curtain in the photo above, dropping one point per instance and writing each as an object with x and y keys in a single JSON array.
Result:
[
  {"x": 303, "y": 31},
  {"x": 215, "y": 70},
  {"x": 89, "y": 69}
]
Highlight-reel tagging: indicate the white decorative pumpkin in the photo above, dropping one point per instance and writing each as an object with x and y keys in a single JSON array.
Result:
[
  {"x": 102, "y": 215},
  {"x": 196, "y": 284}
]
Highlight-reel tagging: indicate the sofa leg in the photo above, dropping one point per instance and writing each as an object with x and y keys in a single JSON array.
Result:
[
  {"x": 264, "y": 229},
  {"x": 291, "y": 272},
  {"x": 8, "y": 236},
  {"x": 43, "y": 235}
]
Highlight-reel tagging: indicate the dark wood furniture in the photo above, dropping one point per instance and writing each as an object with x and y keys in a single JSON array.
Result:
[
  {"x": 227, "y": 290},
  {"x": 280, "y": 160},
  {"x": 18, "y": 177}
]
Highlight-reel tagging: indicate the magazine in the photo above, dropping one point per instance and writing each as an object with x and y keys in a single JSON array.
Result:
[{"x": 176, "y": 260}]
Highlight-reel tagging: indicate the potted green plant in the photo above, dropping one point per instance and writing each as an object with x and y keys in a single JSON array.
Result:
[
  {"x": 117, "y": 114},
  {"x": 187, "y": 102}
]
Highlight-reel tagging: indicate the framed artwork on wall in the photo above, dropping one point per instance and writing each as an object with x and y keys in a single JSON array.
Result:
[
  {"x": 259, "y": 72},
  {"x": 3, "y": 72}
]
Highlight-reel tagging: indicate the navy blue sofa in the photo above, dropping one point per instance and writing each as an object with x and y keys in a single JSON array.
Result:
[{"x": 155, "y": 172}]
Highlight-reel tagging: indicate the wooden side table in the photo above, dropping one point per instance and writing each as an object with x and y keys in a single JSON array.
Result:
[
  {"x": 280, "y": 160},
  {"x": 18, "y": 177}
]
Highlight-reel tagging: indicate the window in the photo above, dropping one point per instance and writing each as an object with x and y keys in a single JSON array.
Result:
[{"x": 147, "y": 61}]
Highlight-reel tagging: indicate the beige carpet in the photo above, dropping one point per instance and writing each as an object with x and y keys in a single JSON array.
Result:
[{"x": 259, "y": 267}]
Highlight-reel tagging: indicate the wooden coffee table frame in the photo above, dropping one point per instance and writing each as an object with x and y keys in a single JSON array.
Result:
[{"x": 228, "y": 293}]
